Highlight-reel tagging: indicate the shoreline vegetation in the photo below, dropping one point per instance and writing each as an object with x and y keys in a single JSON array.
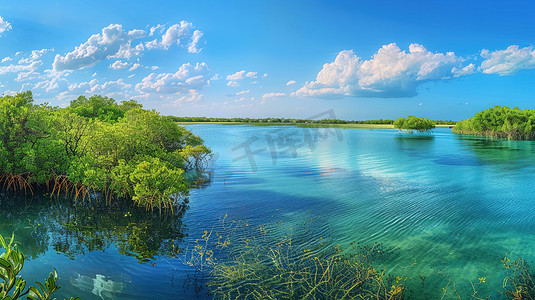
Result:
[
  {"x": 301, "y": 123},
  {"x": 98, "y": 149},
  {"x": 500, "y": 122}
]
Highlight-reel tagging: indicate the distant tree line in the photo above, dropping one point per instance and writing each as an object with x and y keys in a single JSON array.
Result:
[
  {"x": 500, "y": 122},
  {"x": 291, "y": 121}
]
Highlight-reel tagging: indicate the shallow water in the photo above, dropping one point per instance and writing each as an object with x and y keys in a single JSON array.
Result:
[{"x": 446, "y": 203}]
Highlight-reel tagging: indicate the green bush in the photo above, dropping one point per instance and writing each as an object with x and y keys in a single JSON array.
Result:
[{"x": 412, "y": 123}]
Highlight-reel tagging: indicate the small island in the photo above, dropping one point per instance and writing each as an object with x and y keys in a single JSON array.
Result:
[{"x": 412, "y": 123}]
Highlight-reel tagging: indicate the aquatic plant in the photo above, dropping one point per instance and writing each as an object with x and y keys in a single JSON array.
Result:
[
  {"x": 13, "y": 286},
  {"x": 256, "y": 265},
  {"x": 520, "y": 280}
]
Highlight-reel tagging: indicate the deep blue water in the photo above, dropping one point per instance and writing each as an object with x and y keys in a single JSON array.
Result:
[{"x": 445, "y": 203}]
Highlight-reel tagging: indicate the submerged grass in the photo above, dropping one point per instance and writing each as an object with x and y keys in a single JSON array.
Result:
[
  {"x": 238, "y": 261},
  {"x": 257, "y": 265}
]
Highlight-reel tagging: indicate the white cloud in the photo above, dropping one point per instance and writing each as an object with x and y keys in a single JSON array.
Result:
[
  {"x": 188, "y": 78},
  {"x": 192, "y": 47},
  {"x": 273, "y": 95},
  {"x": 109, "y": 87},
  {"x": 391, "y": 72},
  {"x": 4, "y": 26},
  {"x": 157, "y": 28},
  {"x": 242, "y": 93},
  {"x": 10, "y": 93},
  {"x": 82, "y": 86},
  {"x": 290, "y": 82},
  {"x": 35, "y": 55},
  {"x": 237, "y": 76},
  {"x": 468, "y": 70},
  {"x": 21, "y": 68},
  {"x": 55, "y": 81},
  {"x": 193, "y": 95},
  {"x": 114, "y": 41},
  {"x": 176, "y": 34},
  {"x": 6, "y": 59},
  {"x": 234, "y": 78},
  {"x": 215, "y": 77},
  {"x": 119, "y": 65},
  {"x": 134, "y": 66},
  {"x": 508, "y": 61}
]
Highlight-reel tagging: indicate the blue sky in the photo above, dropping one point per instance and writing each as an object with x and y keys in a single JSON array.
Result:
[{"x": 363, "y": 59}]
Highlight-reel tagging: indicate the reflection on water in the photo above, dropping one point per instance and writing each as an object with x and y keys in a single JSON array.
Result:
[
  {"x": 99, "y": 286},
  {"x": 74, "y": 230},
  {"x": 500, "y": 152}
]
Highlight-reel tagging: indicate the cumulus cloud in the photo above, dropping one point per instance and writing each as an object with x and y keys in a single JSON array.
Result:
[
  {"x": 273, "y": 95},
  {"x": 119, "y": 65},
  {"x": 192, "y": 46},
  {"x": 236, "y": 76},
  {"x": 21, "y": 67},
  {"x": 468, "y": 70},
  {"x": 177, "y": 34},
  {"x": 251, "y": 74},
  {"x": 26, "y": 67},
  {"x": 242, "y": 92},
  {"x": 233, "y": 84},
  {"x": 508, "y": 61},
  {"x": 114, "y": 41},
  {"x": 391, "y": 72},
  {"x": 54, "y": 81},
  {"x": 134, "y": 66},
  {"x": 4, "y": 26},
  {"x": 35, "y": 55},
  {"x": 188, "y": 78},
  {"x": 109, "y": 87},
  {"x": 290, "y": 82}
]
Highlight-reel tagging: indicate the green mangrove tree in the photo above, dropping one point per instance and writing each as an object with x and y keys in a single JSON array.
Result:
[{"x": 97, "y": 147}]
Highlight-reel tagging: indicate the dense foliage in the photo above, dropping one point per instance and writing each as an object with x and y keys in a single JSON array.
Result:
[
  {"x": 96, "y": 147},
  {"x": 412, "y": 123},
  {"x": 500, "y": 122}
]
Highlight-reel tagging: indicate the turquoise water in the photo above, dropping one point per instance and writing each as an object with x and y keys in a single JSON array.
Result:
[{"x": 446, "y": 203}]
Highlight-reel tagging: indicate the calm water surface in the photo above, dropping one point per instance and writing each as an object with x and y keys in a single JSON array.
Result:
[{"x": 446, "y": 204}]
